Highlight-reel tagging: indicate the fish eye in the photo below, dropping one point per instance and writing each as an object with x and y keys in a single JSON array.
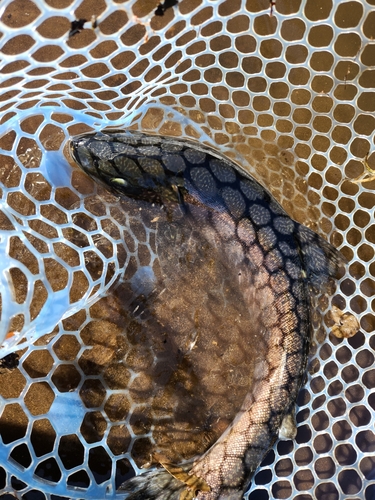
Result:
[{"x": 118, "y": 181}]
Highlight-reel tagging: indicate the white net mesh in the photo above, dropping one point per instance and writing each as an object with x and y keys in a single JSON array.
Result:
[{"x": 291, "y": 97}]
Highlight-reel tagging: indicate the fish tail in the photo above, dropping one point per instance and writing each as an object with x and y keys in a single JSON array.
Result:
[
  {"x": 154, "y": 485},
  {"x": 321, "y": 260},
  {"x": 167, "y": 483}
]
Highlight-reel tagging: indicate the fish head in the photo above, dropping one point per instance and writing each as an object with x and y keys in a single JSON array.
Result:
[{"x": 123, "y": 168}]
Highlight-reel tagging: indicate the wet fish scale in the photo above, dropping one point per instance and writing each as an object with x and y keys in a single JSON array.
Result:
[{"x": 231, "y": 268}]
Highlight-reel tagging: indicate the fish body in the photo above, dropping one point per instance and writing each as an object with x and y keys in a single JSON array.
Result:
[{"x": 243, "y": 272}]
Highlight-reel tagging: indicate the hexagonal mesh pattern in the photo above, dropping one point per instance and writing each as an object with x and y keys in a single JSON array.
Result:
[{"x": 289, "y": 95}]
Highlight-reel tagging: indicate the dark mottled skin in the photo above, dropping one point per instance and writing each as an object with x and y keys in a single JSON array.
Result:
[{"x": 276, "y": 263}]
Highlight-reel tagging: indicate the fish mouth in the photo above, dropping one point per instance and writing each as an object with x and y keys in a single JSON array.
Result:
[
  {"x": 73, "y": 144},
  {"x": 81, "y": 155}
]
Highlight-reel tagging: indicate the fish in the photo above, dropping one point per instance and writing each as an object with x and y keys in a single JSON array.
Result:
[{"x": 225, "y": 300}]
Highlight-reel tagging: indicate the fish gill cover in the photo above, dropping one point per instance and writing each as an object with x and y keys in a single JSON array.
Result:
[{"x": 286, "y": 94}]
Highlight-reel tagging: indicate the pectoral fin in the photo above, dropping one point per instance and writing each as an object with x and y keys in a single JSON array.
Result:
[{"x": 288, "y": 428}]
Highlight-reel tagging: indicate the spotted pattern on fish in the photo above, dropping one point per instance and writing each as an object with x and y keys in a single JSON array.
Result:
[{"x": 273, "y": 262}]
